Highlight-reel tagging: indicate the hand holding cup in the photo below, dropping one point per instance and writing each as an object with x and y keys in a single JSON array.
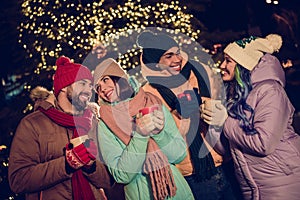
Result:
[
  {"x": 213, "y": 112},
  {"x": 81, "y": 151},
  {"x": 150, "y": 120}
]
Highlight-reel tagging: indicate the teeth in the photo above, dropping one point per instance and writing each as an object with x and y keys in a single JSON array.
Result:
[
  {"x": 108, "y": 94},
  {"x": 222, "y": 72},
  {"x": 84, "y": 97}
]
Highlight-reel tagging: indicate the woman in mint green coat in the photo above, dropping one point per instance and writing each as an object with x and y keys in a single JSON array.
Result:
[{"x": 140, "y": 148}]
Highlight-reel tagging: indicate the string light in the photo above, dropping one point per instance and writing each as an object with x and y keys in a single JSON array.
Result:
[
  {"x": 54, "y": 28},
  {"x": 275, "y": 2},
  {"x": 59, "y": 27}
]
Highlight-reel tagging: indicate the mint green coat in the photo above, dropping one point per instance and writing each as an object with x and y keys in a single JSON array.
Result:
[{"x": 125, "y": 163}]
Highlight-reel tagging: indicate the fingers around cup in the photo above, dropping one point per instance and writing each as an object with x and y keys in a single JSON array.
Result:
[{"x": 210, "y": 104}]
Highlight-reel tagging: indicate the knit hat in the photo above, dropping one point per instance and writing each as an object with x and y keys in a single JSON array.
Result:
[
  {"x": 108, "y": 67},
  {"x": 247, "y": 52},
  {"x": 67, "y": 73},
  {"x": 154, "y": 45}
]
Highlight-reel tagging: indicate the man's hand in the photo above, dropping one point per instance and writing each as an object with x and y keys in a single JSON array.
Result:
[{"x": 82, "y": 155}]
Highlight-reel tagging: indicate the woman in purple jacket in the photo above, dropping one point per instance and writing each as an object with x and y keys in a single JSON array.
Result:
[{"x": 256, "y": 120}]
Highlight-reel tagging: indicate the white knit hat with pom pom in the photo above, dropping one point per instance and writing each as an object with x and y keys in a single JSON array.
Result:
[{"x": 248, "y": 51}]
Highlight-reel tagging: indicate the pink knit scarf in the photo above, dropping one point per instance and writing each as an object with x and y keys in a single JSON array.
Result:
[{"x": 119, "y": 118}]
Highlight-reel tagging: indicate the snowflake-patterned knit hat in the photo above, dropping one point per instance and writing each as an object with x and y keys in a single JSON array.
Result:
[{"x": 248, "y": 51}]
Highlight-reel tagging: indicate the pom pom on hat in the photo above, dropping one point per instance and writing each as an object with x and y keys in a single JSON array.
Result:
[
  {"x": 154, "y": 45},
  {"x": 275, "y": 41},
  {"x": 145, "y": 40},
  {"x": 62, "y": 61},
  {"x": 247, "y": 52},
  {"x": 108, "y": 67},
  {"x": 68, "y": 72}
]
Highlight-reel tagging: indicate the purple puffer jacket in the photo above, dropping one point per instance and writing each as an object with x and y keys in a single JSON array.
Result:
[{"x": 267, "y": 164}]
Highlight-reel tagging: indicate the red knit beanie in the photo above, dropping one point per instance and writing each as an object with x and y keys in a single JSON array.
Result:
[{"x": 68, "y": 72}]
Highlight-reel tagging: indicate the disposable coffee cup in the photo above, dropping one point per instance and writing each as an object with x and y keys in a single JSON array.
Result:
[
  {"x": 147, "y": 110},
  {"x": 79, "y": 140},
  {"x": 211, "y": 104}
]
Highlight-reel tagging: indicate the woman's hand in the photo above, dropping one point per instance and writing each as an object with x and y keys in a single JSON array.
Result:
[
  {"x": 151, "y": 123},
  {"x": 213, "y": 112}
]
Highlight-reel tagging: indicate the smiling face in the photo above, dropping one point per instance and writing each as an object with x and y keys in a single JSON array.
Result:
[
  {"x": 79, "y": 93},
  {"x": 227, "y": 68},
  {"x": 107, "y": 89},
  {"x": 171, "y": 60}
]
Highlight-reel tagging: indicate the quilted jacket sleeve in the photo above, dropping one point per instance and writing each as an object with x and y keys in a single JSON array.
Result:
[{"x": 272, "y": 113}]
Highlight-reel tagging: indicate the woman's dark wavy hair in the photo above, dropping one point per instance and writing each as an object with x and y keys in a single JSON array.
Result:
[
  {"x": 237, "y": 92},
  {"x": 126, "y": 90}
]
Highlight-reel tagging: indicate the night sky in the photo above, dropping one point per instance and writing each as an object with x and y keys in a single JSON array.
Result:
[{"x": 235, "y": 15}]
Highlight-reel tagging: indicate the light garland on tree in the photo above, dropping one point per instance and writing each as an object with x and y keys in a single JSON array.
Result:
[
  {"x": 53, "y": 28},
  {"x": 61, "y": 27}
]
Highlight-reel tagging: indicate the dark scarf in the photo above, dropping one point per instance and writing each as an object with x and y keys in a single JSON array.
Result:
[
  {"x": 119, "y": 119},
  {"x": 204, "y": 167},
  {"x": 80, "y": 125},
  {"x": 177, "y": 80}
]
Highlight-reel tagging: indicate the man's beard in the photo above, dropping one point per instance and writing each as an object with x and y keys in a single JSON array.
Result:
[{"x": 75, "y": 101}]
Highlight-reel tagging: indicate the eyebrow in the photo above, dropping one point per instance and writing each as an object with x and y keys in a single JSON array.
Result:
[
  {"x": 171, "y": 53},
  {"x": 104, "y": 77},
  {"x": 82, "y": 80}
]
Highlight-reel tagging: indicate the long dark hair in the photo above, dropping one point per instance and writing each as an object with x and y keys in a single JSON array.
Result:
[
  {"x": 237, "y": 92},
  {"x": 126, "y": 91}
]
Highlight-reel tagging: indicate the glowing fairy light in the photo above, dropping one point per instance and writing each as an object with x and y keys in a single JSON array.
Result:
[
  {"x": 54, "y": 28},
  {"x": 50, "y": 29}
]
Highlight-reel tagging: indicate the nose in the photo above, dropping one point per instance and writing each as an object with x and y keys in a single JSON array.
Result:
[
  {"x": 177, "y": 57},
  {"x": 223, "y": 65},
  {"x": 88, "y": 89},
  {"x": 103, "y": 88},
  {"x": 99, "y": 88}
]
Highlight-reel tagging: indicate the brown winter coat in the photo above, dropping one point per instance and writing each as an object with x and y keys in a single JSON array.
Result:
[{"x": 37, "y": 161}]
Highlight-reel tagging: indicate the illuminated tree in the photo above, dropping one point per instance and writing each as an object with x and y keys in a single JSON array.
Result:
[
  {"x": 52, "y": 28},
  {"x": 77, "y": 28}
]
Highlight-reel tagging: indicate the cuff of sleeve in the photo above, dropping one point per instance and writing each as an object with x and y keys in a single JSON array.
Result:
[
  {"x": 217, "y": 128},
  {"x": 139, "y": 136},
  {"x": 159, "y": 136},
  {"x": 164, "y": 139},
  {"x": 68, "y": 168},
  {"x": 89, "y": 169}
]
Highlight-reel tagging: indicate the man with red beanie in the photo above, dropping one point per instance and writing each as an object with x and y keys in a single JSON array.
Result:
[{"x": 53, "y": 153}]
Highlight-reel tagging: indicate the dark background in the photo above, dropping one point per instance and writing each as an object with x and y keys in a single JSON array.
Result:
[{"x": 220, "y": 22}]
